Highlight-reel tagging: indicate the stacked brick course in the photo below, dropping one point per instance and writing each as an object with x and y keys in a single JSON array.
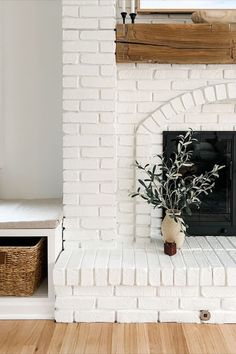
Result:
[
  {"x": 114, "y": 114},
  {"x": 135, "y": 284},
  {"x": 89, "y": 121}
]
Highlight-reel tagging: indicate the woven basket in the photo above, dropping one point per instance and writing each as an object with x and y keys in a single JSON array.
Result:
[{"x": 22, "y": 265}]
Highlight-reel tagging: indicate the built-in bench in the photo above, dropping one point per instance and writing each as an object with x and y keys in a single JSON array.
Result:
[
  {"x": 142, "y": 284},
  {"x": 33, "y": 218}
]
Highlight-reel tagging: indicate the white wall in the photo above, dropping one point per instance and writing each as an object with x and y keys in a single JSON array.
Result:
[
  {"x": 31, "y": 99},
  {"x": 104, "y": 104},
  {"x": 1, "y": 84}
]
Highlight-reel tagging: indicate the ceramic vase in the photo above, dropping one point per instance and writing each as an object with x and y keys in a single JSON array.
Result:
[{"x": 172, "y": 230}]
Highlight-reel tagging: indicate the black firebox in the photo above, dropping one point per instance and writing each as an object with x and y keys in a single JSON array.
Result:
[{"x": 217, "y": 214}]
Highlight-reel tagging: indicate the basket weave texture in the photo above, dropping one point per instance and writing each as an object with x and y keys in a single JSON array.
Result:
[{"x": 22, "y": 268}]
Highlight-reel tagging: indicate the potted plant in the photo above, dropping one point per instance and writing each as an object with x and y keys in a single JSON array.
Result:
[{"x": 166, "y": 186}]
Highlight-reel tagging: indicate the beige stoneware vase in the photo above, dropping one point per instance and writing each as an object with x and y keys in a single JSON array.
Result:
[{"x": 171, "y": 230}]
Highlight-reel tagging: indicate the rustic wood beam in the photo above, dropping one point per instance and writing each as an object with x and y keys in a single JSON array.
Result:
[{"x": 176, "y": 43}]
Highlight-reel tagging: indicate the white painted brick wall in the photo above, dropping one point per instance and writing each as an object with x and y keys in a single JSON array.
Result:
[
  {"x": 66, "y": 316},
  {"x": 117, "y": 303},
  {"x": 95, "y": 316},
  {"x": 90, "y": 75},
  {"x": 148, "y": 303},
  {"x": 139, "y": 316},
  {"x": 112, "y": 115},
  {"x": 179, "y": 316},
  {"x": 198, "y": 303},
  {"x": 63, "y": 290},
  {"x": 223, "y": 317},
  {"x": 74, "y": 303},
  {"x": 140, "y": 90}
]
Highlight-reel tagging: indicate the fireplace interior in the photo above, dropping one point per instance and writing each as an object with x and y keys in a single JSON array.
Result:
[{"x": 217, "y": 213}]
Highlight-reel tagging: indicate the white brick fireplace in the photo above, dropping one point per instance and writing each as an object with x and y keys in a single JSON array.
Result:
[
  {"x": 204, "y": 108},
  {"x": 113, "y": 114}
]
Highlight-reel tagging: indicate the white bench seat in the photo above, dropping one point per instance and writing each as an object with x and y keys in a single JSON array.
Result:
[{"x": 30, "y": 214}]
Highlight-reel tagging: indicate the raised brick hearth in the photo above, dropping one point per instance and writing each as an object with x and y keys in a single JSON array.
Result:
[{"x": 133, "y": 284}]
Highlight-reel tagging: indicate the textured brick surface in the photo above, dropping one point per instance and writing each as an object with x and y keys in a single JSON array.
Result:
[
  {"x": 89, "y": 79},
  {"x": 94, "y": 288},
  {"x": 100, "y": 104},
  {"x": 114, "y": 114}
]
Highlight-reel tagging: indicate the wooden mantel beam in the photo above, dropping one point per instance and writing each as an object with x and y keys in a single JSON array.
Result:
[{"x": 176, "y": 43}]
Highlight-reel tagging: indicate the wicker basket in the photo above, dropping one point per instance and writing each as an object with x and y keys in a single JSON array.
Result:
[{"x": 22, "y": 265}]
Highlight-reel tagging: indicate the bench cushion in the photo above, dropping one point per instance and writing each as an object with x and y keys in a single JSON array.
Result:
[{"x": 30, "y": 214}]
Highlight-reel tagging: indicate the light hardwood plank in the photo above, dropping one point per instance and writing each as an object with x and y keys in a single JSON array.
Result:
[
  {"x": 229, "y": 335},
  {"x": 172, "y": 339},
  {"x": 69, "y": 342},
  {"x": 57, "y": 339},
  {"x": 118, "y": 335},
  {"x": 142, "y": 339},
  {"x": 130, "y": 339},
  {"x": 7, "y": 330},
  {"x": 154, "y": 336},
  {"x": 206, "y": 339},
  {"x": 25, "y": 336},
  {"x": 93, "y": 339},
  {"x": 28, "y": 349},
  {"x": 105, "y": 341},
  {"x": 47, "y": 337},
  {"x": 82, "y": 337},
  {"x": 195, "y": 340}
]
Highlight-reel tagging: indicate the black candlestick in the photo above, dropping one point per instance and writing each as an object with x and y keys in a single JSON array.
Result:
[
  {"x": 132, "y": 16},
  {"x": 124, "y": 14}
]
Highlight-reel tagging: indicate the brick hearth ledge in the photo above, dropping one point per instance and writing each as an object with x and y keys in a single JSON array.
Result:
[{"x": 130, "y": 284}]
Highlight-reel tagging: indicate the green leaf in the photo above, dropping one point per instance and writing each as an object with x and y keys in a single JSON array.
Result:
[
  {"x": 145, "y": 198},
  {"x": 142, "y": 183},
  {"x": 134, "y": 195},
  {"x": 188, "y": 211}
]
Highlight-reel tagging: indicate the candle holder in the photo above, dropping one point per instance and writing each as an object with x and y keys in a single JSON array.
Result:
[
  {"x": 132, "y": 16},
  {"x": 123, "y": 15}
]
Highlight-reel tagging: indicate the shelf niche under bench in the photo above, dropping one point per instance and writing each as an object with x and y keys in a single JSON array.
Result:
[
  {"x": 176, "y": 43},
  {"x": 33, "y": 218}
]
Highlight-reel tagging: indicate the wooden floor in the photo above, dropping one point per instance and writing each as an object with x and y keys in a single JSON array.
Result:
[{"x": 43, "y": 337}]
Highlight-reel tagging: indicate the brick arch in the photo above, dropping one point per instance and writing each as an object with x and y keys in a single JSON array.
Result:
[
  {"x": 186, "y": 101},
  {"x": 149, "y": 142}
]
